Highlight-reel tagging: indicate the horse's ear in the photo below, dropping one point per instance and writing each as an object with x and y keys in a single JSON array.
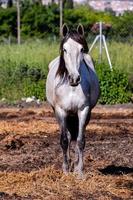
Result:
[
  {"x": 80, "y": 29},
  {"x": 65, "y": 30}
]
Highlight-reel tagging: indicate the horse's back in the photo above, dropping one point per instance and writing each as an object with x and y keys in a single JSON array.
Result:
[
  {"x": 94, "y": 87},
  {"x": 53, "y": 66},
  {"x": 93, "y": 80},
  {"x": 54, "y": 62},
  {"x": 88, "y": 61}
]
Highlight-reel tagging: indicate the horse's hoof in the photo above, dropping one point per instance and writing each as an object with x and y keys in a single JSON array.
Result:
[
  {"x": 79, "y": 176},
  {"x": 65, "y": 169}
]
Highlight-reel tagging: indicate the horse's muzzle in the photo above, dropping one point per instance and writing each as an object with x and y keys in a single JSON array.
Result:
[{"x": 74, "y": 81}]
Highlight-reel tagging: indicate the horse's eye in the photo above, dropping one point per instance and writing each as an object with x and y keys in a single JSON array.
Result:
[
  {"x": 64, "y": 50},
  {"x": 82, "y": 50}
]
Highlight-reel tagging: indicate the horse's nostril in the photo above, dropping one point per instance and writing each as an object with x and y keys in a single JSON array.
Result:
[
  {"x": 78, "y": 79},
  {"x": 70, "y": 78}
]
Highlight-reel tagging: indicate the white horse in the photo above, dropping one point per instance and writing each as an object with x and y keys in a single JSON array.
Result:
[{"x": 72, "y": 89}]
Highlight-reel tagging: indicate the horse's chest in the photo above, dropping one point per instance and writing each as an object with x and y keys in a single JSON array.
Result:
[{"x": 70, "y": 99}]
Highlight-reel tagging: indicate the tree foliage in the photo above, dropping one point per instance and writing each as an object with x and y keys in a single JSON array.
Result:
[{"x": 38, "y": 20}]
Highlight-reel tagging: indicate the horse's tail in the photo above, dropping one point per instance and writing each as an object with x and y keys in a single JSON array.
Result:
[{"x": 72, "y": 125}]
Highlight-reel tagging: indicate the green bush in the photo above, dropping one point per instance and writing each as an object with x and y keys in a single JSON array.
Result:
[
  {"x": 114, "y": 85},
  {"x": 24, "y": 82},
  {"x": 31, "y": 88}
]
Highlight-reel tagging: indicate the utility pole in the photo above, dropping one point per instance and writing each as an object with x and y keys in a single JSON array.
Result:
[
  {"x": 61, "y": 16},
  {"x": 18, "y": 22}
]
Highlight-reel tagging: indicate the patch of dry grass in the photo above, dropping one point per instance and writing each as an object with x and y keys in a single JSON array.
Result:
[{"x": 52, "y": 184}]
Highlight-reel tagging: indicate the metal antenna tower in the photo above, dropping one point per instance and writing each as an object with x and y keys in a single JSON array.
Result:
[{"x": 102, "y": 42}]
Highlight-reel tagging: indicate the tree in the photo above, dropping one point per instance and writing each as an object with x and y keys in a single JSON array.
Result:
[
  {"x": 10, "y": 3},
  {"x": 37, "y": 2},
  {"x": 68, "y": 4},
  {"x": 18, "y": 22}
]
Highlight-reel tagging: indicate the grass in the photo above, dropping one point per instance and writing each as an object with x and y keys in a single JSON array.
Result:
[
  {"x": 17, "y": 60},
  {"x": 120, "y": 54},
  {"x": 36, "y": 54},
  {"x": 20, "y": 65}
]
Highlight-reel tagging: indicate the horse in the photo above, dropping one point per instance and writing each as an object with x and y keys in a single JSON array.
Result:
[{"x": 72, "y": 89}]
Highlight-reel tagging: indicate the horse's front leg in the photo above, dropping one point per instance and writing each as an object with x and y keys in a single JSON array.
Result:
[
  {"x": 64, "y": 138},
  {"x": 84, "y": 116}
]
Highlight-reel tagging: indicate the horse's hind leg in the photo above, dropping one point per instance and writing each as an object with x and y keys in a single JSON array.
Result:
[
  {"x": 64, "y": 139},
  {"x": 84, "y": 116}
]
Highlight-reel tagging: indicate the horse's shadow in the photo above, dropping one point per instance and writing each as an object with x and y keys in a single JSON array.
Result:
[{"x": 116, "y": 170}]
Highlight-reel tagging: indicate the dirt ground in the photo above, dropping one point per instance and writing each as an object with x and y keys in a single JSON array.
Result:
[{"x": 31, "y": 157}]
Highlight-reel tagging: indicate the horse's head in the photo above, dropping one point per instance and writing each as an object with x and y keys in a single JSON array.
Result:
[{"x": 72, "y": 48}]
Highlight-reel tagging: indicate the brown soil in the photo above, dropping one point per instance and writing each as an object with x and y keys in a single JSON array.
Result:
[{"x": 31, "y": 157}]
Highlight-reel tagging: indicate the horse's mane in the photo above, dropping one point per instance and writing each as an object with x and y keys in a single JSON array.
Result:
[{"x": 73, "y": 34}]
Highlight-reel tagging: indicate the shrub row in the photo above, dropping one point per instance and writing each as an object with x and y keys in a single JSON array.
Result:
[
  {"x": 114, "y": 85},
  {"x": 30, "y": 81}
]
